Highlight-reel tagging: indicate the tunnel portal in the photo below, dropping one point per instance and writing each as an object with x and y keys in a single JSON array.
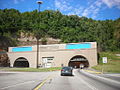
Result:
[
  {"x": 77, "y": 61},
  {"x": 21, "y": 62}
]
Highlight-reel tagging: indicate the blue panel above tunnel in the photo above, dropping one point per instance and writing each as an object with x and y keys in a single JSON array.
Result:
[
  {"x": 21, "y": 49},
  {"x": 78, "y": 46}
]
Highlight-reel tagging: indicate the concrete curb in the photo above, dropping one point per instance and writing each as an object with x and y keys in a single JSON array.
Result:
[{"x": 101, "y": 78}]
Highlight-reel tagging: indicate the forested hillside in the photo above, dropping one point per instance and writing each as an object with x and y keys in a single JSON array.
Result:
[{"x": 54, "y": 24}]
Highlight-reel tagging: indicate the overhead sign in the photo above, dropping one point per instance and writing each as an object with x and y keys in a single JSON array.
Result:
[
  {"x": 79, "y": 59},
  {"x": 104, "y": 59}
]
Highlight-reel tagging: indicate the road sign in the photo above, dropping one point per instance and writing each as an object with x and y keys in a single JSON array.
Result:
[
  {"x": 104, "y": 59},
  {"x": 44, "y": 60}
]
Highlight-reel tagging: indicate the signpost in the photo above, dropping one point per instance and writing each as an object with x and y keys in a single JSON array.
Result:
[
  {"x": 104, "y": 60},
  {"x": 44, "y": 62}
]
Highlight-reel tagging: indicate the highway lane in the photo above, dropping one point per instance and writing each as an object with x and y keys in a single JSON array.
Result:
[
  {"x": 80, "y": 81},
  {"x": 22, "y": 80},
  {"x": 53, "y": 81},
  {"x": 101, "y": 83},
  {"x": 111, "y": 76},
  {"x": 67, "y": 83}
]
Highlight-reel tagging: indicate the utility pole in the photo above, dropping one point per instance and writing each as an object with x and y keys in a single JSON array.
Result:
[{"x": 37, "y": 60}]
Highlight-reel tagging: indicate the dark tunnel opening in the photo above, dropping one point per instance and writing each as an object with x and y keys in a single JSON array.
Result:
[
  {"x": 78, "y": 61},
  {"x": 21, "y": 62}
]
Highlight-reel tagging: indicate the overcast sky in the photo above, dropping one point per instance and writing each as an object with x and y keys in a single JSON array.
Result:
[{"x": 95, "y": 9}]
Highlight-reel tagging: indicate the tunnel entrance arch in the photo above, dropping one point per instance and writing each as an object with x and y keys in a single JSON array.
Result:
[
  {"x": 78, "y": 60},
  {"x": 21, "y": 62}
]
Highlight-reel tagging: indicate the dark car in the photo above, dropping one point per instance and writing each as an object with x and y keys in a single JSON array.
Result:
[{"x": 66, "y": 71}]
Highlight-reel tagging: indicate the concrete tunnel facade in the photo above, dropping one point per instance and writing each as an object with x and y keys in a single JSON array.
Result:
[{"x": 54, "y": 55}]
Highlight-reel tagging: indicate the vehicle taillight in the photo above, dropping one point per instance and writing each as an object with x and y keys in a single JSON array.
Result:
[{"x": 62, "y": 70}]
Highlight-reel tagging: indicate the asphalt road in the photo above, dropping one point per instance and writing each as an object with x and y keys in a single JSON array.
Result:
[
  {"x": 22, "y": 80},
  {"x": 53, "y": 81}
]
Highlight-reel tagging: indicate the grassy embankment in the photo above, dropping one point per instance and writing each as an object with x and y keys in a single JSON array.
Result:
[
  {"x": 113, "y": 65},
  {"x": 31, "y": 69}
]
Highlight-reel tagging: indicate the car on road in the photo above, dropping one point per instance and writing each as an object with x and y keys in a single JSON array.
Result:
[
  {"x": 82, "y": 66},
  {"x": 66, "y": 71}
]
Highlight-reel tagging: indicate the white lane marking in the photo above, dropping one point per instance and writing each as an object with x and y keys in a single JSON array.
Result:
[
  {"x": 90, "y": 86},
  {"x": 11, "y": 72},
  {"x": 74, "y": 72},
  {"x": 114, "y": 75},
  {"x": 17, "y": 84},
  {"x": 95, "y": 76}
]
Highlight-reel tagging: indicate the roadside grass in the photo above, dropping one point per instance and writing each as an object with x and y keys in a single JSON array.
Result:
[
  {"x": 31, "y": 69},
  {"x": 113, "y": 65}
]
